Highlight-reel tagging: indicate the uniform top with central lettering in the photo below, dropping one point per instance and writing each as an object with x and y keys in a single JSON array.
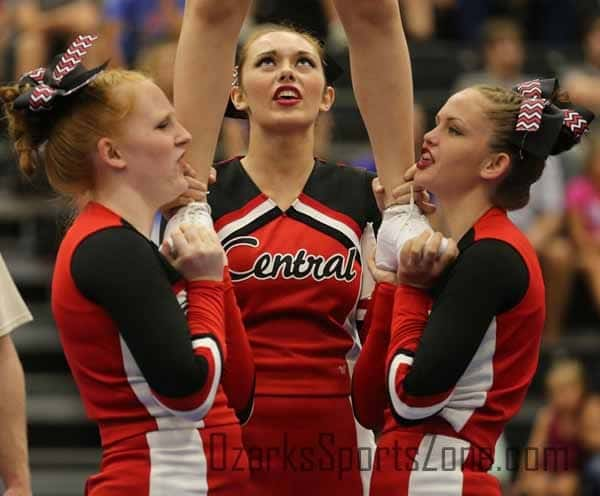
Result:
[
  {"x": 456, "y": 361},
  {"x": 147, "y": 349},
  {"x": 297, "y": 274}
]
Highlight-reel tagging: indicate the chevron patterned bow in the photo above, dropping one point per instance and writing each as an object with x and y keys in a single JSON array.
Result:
[
  {"x": 46, "y": 89},
  {"x": 575, "y": 122},
  {"x": 530, "y": 114}
]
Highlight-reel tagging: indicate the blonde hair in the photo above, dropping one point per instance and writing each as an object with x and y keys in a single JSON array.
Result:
[
  {"x": 502, "y": 110},
  {"x": 62, "y": 140},
  {"x": 274, "y": 28}
]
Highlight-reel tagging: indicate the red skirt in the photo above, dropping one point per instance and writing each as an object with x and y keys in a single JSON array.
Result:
[{"x": 307, "y": 446}]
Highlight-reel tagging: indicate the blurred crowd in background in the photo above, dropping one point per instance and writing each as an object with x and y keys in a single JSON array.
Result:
[{"x": 454, "y": 44}]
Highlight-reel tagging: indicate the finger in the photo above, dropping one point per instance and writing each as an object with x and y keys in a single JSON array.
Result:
[
  {"x": 418, "y": 246},
  {"x": 196, "y": 184},
  {"x": 450, "y": 253},
  {"x": 166, "y": 249},
  {"x": 427, "y": 208},
  {"x": 405, "y": 252},
  {"x": 404, "y": 190},
  {"x": 377, "y": 186},
  {"x": 191, "y": 234},
  {"x": 188, "y": 170},
  {"x": 409, "y": 175},
  {"x": 212, "y": 176},
  {"x": 182, "y": 201},
  {"x": 196, "y": 196},
  {"x": 432, "y": 249},
  {"x": 179, "y": 243}
]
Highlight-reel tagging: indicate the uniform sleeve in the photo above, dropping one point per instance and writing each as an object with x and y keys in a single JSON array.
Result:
[
  {"x": 181, "y": 359},
  {"x": 429, "y": 353},
  {"x": 239, "y": 376},
  {"x": 368, "y": 381}
]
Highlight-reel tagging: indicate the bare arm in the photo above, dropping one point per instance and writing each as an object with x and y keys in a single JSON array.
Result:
[
  {"x": 203, "y": 72},
  {"x": 535, "y": 445},
  {"x": 544, "y": 228},
  {"x": 14, "y": 469},
  {"x": 583, "y": 241},
  {"x": 382, "y": 80}
]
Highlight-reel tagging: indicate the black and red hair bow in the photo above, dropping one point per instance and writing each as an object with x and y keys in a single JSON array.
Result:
[
  {"x": 540, "y": 121},
  {"x": 63, "y": 77}
]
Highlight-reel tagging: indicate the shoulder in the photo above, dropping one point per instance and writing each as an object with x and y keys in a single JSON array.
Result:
[
  {"x": 117, "y": 248},
  {"x": 345, "y": 189},
  {"x": 117, "y": 254},
  {"x": 495, "y": 267},
  {"x": 233, "y": 189},
  {"x": 342, "y": 171},
  {"x": 338, "y": 182},
  {"x": 497, "y": 254}
]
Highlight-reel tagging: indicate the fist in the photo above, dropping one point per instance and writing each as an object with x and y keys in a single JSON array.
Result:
[
  {"x": 195, "y": 251},
  {"x": 423, "y": 259}
]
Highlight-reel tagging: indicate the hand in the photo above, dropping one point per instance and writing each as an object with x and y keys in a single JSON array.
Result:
[
  {"x": 420, "y": 260},
  {"x": 195, "y": 252},
  {"x": 401, "y": 194},
  {"x": 197, "y": 190}
]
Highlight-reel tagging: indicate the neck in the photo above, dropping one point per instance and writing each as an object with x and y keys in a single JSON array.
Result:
[
  {"x": 462, "y": 211},
  {"x": 280, "y": 154},
  {"x": 128, "y": 204}
]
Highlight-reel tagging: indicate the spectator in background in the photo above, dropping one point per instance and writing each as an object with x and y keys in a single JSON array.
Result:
[
  {"x": 583, "y": 209},
  {"x": 421, "y": 17},
  {"x": 158, "y": 61},
  {"x": 132, "y": 25},
  {"x": 43, "y": 26},
  {"x": 542, "y": 221},
  {"x": 14, "y": 468},
  {"x": 503, "y": 56},
  {"x": 554, "y": 453},
  {"x": 582, "y": 82},
  {"x": 590, "y": 437}
]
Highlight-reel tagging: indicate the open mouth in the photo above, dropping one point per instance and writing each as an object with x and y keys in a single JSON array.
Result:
[
  {"x": 287, "y": 95},
  {"x": 426, "y": 159}
]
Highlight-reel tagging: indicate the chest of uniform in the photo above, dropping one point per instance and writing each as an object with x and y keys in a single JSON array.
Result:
[{"x": 288, "y": 257}]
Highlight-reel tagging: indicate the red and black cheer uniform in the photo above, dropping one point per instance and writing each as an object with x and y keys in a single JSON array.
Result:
[
  {"x": 298, "y": 277},
  {"x": 452, "y": 377},
  {"x": 154, "y": 380}
]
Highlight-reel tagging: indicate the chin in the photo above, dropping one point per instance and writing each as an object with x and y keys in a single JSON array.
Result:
[{"x": 291, "y": 120}]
